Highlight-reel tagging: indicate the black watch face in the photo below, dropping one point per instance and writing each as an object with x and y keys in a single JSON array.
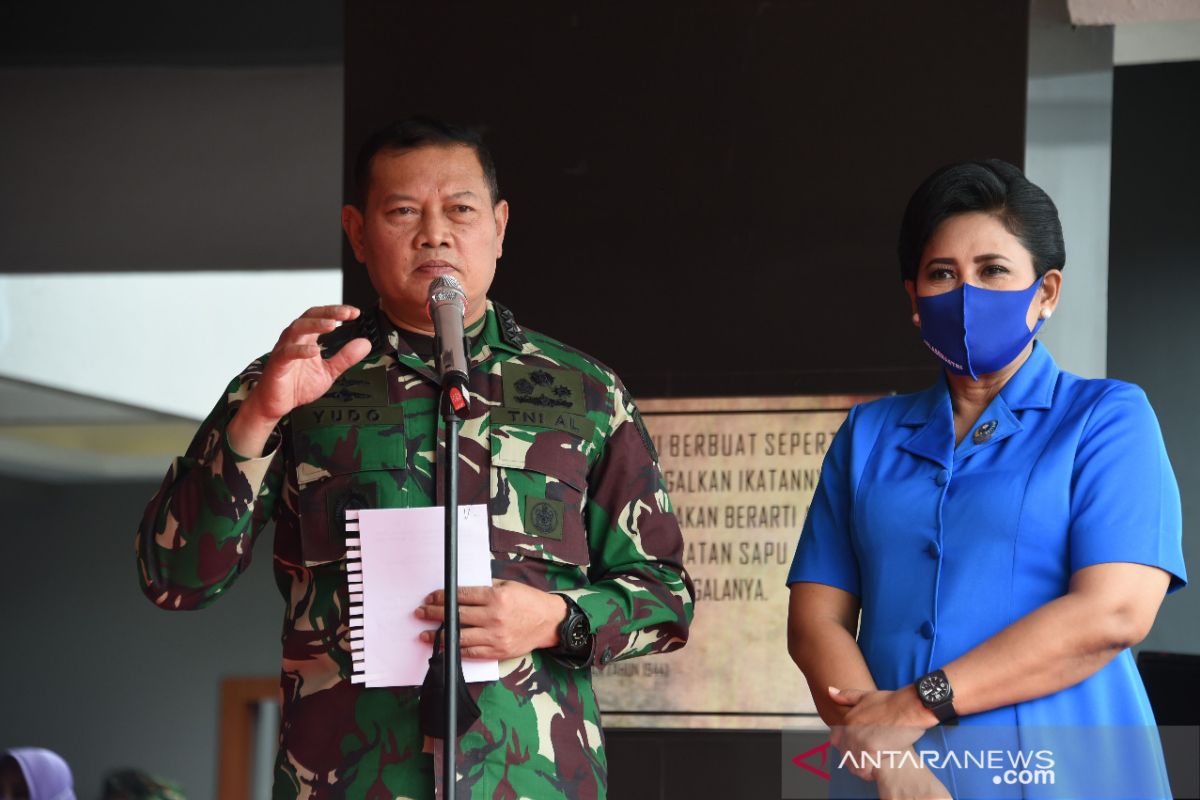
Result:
[
  {"x": 577, "y": 635},
  {"x": 934, "y": 689}
]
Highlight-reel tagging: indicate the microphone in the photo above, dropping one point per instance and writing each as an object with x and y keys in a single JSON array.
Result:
[{"x": 447, "y": 308}]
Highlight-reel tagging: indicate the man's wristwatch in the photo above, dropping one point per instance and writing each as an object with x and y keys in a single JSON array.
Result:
[
  {"x": 574, "y": 635},
  {"x": 936, "y": 694}
]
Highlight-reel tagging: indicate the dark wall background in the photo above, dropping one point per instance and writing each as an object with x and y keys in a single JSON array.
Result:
[
  {"x": 685, "y": 175},
  {"x": 1154, "y": 286},
  {"x": 230, "y": 33},
  {"x": 139, "y": 135}
]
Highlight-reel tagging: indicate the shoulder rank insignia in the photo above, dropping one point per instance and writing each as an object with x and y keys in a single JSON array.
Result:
[{"x": 510, "y": 331}]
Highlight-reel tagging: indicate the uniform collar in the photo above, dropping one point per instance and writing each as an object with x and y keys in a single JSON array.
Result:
[
  {"x": 1032, "y": 387},
  {"x": 500, "y": 333}
]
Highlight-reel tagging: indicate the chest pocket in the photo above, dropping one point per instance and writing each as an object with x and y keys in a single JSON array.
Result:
[
  {"x": 538, "y": 487},
  {"x": 347, "y": 446}
]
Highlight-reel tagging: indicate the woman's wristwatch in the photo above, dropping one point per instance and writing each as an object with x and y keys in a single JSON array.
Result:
[{"x": 936, "y": 694}]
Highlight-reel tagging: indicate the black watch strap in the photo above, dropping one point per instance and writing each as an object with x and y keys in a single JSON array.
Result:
[
  {"x": 575, "y": 638},
  {"x": 936, "y": 694},
  {"x": 945, "y": 713}
]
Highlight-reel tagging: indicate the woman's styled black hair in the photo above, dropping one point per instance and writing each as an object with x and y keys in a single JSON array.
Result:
[{"x": 992, "y": 187}]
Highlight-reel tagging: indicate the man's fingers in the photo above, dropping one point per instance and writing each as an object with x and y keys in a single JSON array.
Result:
[
  {"x": 339, "y": 311},
  {"x": 308, "y": 325},
  {"x": 480, "y": 643},
  {"x": 350, "y": 354},
  {"x": 476, "y": 595},
  {"x": 304, "y": 330},
  {"x": 295, "y": 352},
  {"x": 475, "y": 638},
  {"x": 482, "y": 653},
  {"x": 473, "y": 642},
  {"x": 468, "y": 616},
  {"x": 473, "y": 595},
  {"x": 314, "y": 322}
]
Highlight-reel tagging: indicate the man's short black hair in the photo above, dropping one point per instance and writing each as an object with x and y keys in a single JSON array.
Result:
[
  {"x": 414, "y": 132},
  {"x": 992, "y": 187}
]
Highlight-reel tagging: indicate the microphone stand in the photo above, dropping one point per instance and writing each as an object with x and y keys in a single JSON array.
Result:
[
  {"x": 450, "y": 644},
  {"x": 447, "y": 309}
]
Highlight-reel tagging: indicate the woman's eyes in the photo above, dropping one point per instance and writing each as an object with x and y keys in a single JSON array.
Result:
[{"x": 987, "y": 271}]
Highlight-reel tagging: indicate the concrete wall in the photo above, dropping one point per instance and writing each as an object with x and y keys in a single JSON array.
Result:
[
  {"x": 1068, "y": 150},
  {"x": 1153, "y": 327}
]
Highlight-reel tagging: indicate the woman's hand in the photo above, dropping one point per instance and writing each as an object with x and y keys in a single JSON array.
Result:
[{"x": 878, "y": 723}]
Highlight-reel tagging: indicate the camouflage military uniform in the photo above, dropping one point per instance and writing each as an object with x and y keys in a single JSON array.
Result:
[{"x": 554, "y": 445}]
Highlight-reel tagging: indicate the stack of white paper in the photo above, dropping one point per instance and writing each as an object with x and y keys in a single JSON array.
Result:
[{"x": 394, "y": 559}]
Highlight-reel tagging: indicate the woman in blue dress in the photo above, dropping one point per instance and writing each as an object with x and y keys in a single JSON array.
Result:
[{"x": 979, "y": 557}]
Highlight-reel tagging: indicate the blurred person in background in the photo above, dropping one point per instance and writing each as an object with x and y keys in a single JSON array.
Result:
[
  {"x": 33, "y": 773},
  {"x": 134, "y": 784}
]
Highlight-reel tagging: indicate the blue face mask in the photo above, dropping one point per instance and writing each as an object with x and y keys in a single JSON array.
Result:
[{"x": 976, "y": 331}]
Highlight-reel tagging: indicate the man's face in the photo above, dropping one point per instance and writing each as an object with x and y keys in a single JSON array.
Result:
[{"x": 427, "y": 213}]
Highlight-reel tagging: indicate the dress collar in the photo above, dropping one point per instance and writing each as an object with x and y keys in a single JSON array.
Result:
[
  {"x": 931, "y": 413},
  {"x": 1032, "y": 386}
]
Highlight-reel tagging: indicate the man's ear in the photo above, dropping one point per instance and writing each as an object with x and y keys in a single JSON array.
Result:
[
  {"x": 501, "y": 212},
  {"x": 352, "y": 224}
]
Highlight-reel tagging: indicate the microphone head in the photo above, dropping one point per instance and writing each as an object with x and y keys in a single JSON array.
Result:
[{"x": 445, "y": 290}]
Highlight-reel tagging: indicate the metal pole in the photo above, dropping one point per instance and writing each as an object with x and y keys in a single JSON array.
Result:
[{"x": 450, "y": 644}]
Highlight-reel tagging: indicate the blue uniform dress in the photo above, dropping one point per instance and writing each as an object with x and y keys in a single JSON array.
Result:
[{"x": 946, "y": 545}]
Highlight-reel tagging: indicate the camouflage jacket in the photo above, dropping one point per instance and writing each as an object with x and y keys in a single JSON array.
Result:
[{"x": 556, "y": 448}]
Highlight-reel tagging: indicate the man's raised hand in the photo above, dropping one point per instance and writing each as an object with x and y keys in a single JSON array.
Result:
[{"x": 295, "y": 375}]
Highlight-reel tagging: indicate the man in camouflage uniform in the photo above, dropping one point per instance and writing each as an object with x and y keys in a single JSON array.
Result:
[{"x": 345, "y": 417}]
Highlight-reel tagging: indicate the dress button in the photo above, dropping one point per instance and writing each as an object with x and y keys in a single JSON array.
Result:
[
  {"x": 933, "y": 550},
  {"x": 942, "y": 478},
  {"x": 984, "y": 432},
  {"x": 927, "y": 629}
]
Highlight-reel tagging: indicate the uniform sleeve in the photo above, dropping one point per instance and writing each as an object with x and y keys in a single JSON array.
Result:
[
  {"x": 640, "y": 599},
  {"x": 1124, "y": 499},
  {"x": 197, "y": 533},
  {"x": 825, "y": 553}
]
